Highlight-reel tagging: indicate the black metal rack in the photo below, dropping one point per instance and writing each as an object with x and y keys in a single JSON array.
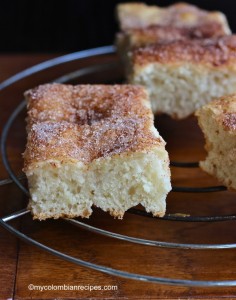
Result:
[{"x": 140, "y": 213}]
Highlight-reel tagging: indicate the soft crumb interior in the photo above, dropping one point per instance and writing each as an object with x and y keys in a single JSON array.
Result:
[
  {"x": 221, "y": 146},
  {"x": 113, "y": 184},
  {"x": 178, "y": 90}
]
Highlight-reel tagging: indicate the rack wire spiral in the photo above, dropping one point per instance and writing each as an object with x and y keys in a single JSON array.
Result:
[{"x": 170, "y": 217}]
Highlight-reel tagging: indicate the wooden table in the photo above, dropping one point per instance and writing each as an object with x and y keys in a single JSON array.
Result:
[{"x": 22, "y": 264}]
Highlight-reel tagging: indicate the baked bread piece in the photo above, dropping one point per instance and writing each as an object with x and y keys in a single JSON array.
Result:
[
  {"x": 218, "y": 123},
  {"x": 93, "y": 145},
  {"x": 181, "y": 76},
  {"x": 142, "y": 25},
  {"x": 140, "y": 15}
]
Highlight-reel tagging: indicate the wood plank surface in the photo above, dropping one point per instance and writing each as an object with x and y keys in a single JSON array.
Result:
[
  {"x": 11, "y": 198},
  {"x": 22, "y": 264}
]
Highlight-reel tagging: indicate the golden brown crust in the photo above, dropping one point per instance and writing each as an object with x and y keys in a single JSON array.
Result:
[
  {"x": 224, "y": 111},
  {"x": 215, "y": 52},
  {"x": 139, "y": 37},
  {"x": 87, "y": 122},
  {"x": 139, "y": 15}
]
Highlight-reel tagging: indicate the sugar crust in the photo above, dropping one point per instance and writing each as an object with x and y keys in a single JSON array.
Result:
[{"x": 87, "y": 122}]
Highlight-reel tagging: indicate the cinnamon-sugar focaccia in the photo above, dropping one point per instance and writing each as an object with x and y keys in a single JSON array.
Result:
[
  {"x": 181, "y": 76},
  {"x": 93, "y": 145},
  {"x": 218, "y": 123}
]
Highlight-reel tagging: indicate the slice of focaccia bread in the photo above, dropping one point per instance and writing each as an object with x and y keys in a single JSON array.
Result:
[
  {"x": 218, "y": 123},
  {"x": 181, "y": 76},
  {"x": 142, "y": 25},
  {"x": 93, "y": 145}
]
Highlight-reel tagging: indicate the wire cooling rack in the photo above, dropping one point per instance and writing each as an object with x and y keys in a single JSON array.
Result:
[{"x": 14, "y": 179}]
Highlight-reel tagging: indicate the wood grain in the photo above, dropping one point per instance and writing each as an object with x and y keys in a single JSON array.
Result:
[
  {"x": 33, "y": 266},
  {"x": 11, "y": 199}
]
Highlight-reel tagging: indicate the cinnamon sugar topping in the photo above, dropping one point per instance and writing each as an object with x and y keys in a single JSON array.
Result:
[
  {"x": 163, "y": 34},
  {"x": 214, "y": 51},
  {"x": 229, "y": 121},
  {"x": 87, "y": 122},
  {"x": 140, "y": 15},
  {"x": 224, "y": 110}
]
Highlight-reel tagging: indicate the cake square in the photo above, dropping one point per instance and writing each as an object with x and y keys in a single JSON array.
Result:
[
  {"x": 218, "y": 123},
  {"x": 93, "y": 145},
  {"x": 181, "y": 76}
]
